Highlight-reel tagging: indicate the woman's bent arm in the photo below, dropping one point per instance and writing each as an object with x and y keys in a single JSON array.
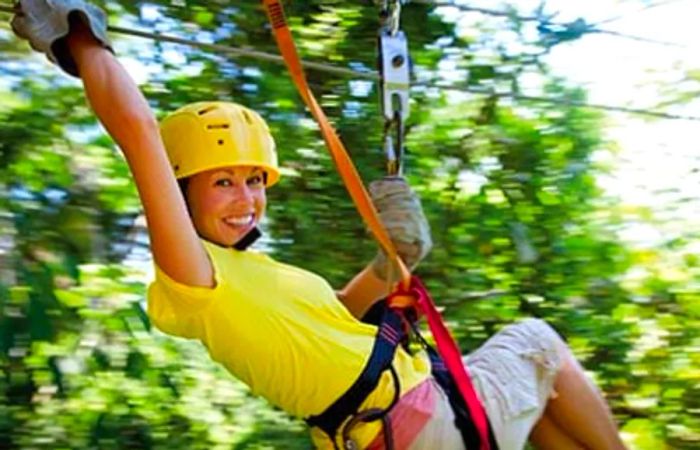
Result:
[
  {"x": 365, "y": 289},
  {"x": 124, "y": 112}
]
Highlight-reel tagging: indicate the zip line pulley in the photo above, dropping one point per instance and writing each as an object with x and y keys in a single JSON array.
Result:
[{"x": 394, "y": 73}]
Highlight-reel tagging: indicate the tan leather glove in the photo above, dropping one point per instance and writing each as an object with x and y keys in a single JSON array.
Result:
[
  {"x": 46, "y": 24},
  {"x": 401, "y": 213}
]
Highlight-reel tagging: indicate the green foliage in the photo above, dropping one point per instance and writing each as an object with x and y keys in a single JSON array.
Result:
[{"x": 520, "y": 229}]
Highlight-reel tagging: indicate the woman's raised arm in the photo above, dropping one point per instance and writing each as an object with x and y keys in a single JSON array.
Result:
[
  {"x": 72, "y": 33},
  {"x": 124, "y": 112}
]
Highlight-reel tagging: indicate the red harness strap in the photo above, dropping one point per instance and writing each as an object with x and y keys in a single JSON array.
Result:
[
  {"x": 450, "y": 354},
  {"x": 410, "y": 289}
]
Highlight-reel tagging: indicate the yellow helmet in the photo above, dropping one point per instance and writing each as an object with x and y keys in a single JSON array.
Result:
[{"x": 206, "y": 135}]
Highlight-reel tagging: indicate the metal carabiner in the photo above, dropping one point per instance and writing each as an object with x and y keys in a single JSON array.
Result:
[
  {"x": 391, "y": 15},
  {"x": 393, "y": 144}
]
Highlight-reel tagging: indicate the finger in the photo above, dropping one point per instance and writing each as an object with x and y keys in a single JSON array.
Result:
[
  {"x": 387, "y": 186},
  {"x": 399, "y": 205},
  {"x": 409, "y": 253},
  {"x": 390, "y": 185},
  {"x": 34, "y": 9},
  {"x": 398, "y": 198},
  {"x": 18, "y": 25}
]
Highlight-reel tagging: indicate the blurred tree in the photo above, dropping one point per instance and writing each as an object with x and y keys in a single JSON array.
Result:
[{"x": 520, "y": 226}]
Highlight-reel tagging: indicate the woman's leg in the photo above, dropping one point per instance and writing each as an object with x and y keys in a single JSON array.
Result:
[
  {"x": 548, "y": 436},
  {"x": 515, "y": 373},
  {"x": 579, "y": 409}
]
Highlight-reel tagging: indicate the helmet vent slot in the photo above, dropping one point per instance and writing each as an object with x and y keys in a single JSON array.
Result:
[
  {"x": 218, "y": 126},
  {"x": 247, "y": 117},
  {"x": 202, "y": 112}
]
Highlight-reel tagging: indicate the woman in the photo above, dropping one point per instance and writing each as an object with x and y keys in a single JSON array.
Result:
[{"x": 280, "y": 329}]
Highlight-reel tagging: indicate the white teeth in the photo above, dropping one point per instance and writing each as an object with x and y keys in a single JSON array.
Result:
[{"x": 239, "y": 221}]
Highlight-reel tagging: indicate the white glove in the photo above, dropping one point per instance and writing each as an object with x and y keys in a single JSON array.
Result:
[
  {"x": 401, "y": 213},
  {"x": 47, "y": 23}
]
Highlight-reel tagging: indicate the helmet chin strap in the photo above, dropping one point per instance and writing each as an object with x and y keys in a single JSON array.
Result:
[{"x": 247, "y": 240}]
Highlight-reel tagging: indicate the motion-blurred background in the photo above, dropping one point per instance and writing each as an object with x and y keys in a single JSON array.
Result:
[{"x": 555, "y": 147}]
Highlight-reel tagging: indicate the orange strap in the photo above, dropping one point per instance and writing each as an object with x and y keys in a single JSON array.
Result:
[{"x": 344, "y": 164}]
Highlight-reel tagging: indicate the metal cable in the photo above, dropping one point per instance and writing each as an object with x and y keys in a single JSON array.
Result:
[
  {"x": 245, "y": 52},
  {"x": 592, "y": 28},
  {"x": 373, "y": 75},
  {"x": 642, "y": 9}
]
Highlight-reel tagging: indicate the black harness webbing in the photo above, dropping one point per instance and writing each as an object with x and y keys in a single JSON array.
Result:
[{"x": 390, "y": 335}]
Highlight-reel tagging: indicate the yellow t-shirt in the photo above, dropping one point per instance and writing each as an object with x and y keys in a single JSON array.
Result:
[{"x": 282, "y": 331}]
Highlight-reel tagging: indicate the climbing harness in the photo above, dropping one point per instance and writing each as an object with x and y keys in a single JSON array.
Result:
[
  {"x": 394, "y": 326},
  {"x": 410, "y": 297},
  {"x": 343, "y": 414}
]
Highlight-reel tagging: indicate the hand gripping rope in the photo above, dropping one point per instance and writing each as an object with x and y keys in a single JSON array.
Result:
[{"x": 409, "y": 292}]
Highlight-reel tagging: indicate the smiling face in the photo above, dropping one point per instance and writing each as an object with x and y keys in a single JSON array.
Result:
[{"x": 226, "y": 203}]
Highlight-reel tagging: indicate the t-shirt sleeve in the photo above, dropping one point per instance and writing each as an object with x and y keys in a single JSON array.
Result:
[{"x": 175, "y": 308}]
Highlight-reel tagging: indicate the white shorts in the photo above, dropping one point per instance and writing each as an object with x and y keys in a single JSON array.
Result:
[{"x": 513, "y": 374}]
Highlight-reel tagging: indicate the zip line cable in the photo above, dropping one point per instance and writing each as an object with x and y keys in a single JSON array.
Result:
[
  {"x": 372, "y": 75},
  {"x": 576, "y": 28},
  {"x": 640, "y": 10},
  {"x": 243, "y": 52},
  {"x": 235, "y": 51},
  {"x": 613, "y": 108}
]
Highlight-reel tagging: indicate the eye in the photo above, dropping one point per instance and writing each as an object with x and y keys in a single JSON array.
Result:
[
  {"x": 255, "y": 180},
  {"x": 223, "y": 182}
]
